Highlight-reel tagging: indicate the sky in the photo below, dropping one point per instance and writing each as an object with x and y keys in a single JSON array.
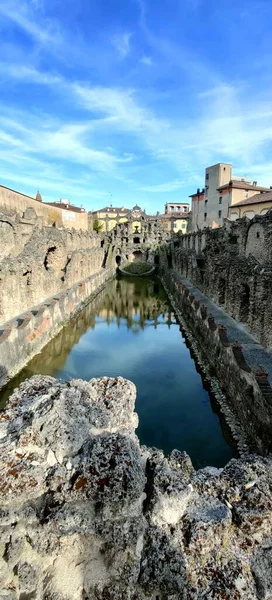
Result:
[{"x": 126, "y": 102}]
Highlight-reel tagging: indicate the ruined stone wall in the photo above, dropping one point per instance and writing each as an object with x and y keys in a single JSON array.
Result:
[
  {"x": 23, "y": 337},
  {"x": 233, "y": 266},
  {"x": 38, "y": 262},
  {"x": 226, "y": 352},
  {"x": 15, "y": 202},
  {"x": 87, "y": 513}
]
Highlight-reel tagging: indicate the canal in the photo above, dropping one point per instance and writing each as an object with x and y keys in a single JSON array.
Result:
[{"x": 131, "y": 330}]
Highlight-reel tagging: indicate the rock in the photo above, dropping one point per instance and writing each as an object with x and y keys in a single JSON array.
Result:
[{"x": 86, "y": 513}]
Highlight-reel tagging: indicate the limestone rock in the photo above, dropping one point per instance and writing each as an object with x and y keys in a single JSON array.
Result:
[{"x": 86, "y": 513}]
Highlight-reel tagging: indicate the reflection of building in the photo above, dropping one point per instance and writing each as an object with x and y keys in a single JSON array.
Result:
[{"x": 222, "y": 191}]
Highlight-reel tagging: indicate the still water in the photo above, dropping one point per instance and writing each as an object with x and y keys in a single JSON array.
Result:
[{"x": 131, "y": 330}]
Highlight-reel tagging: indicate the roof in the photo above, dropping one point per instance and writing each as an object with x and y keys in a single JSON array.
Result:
[
  {"x": 111, "y": 209},
  {"x": 197, "y": 194},
  {"x": 175, "y": 216},
  {"x": 177, "y": 203},
  {"x": 256, "y": 199},
  {"x": 243, "y": 185},
  {"x": 66, "y": 206}
]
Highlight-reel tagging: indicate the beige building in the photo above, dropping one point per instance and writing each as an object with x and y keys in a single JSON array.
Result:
[
  {"x": 222, "y": 190},
  {"x": 110, "y": 216},
  {"x": 175, "y": 217},
  {"x": 56, "y": 213},
  {"x": 258, "y": 204}
]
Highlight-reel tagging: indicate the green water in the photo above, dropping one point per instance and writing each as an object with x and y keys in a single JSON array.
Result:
[{"x": 131, "y": 330}]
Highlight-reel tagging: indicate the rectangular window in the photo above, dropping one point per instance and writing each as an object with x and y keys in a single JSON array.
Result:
[
  {"x": 205, "y": 216},
  {"x": 220, "y": 214},
  {"x": 220, "y": 199},
  {"x": 172, "y": 208},
  {"x": 184, "y": 208},
  {"x": 183, "y": 225},
  {"x": 207, "y": 176},
  {"x": 178, "y": 208},
  {"x": 206, "y": 201}
]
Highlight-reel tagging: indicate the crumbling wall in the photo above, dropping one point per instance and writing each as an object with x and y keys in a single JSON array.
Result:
[
  {"x": 37, "y": 262},
  {"x": 233, "y": 266},
  {"x": 86, "y": 513}
]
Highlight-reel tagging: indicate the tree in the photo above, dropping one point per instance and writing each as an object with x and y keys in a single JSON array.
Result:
[{"x": 97, "y": 226}]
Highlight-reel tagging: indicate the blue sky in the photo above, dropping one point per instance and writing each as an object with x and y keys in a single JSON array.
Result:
[{"x": 127, "y": 101}]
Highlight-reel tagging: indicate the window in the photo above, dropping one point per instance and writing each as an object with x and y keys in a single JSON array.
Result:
[
  {"x": 172, "y": 208},
  {"x": 178, "y": 208},
  {"x": 220, "y": 199},
  {"x": 206, "y": 201},
  {"x": 205, "y": 216},
  {"x": 184, "y": 208},
  {"x": 183, "y": 225},
  {"x": 220, "y": 214},
  {"x": 207, "y": 176}
]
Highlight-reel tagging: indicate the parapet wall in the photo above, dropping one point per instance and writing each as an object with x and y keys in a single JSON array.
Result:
[
  {"x": 15, "y": 202},
  {"x": 233, "y": 356},
  {"x": 233, "y": 266},
  {"x": 39, "y": 261},
  {"x": 87, "y": 513}
]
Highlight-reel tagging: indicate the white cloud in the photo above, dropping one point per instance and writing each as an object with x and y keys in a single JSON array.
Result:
[
  {"x": 122, "y": 43},
  {"x": 24, "y": 16}
]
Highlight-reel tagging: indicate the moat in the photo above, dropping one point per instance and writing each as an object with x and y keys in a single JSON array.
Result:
[{"x": 131, "y": 330}]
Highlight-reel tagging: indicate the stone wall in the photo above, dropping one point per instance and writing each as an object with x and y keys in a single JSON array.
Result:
[
  {"x": 15, "y": 202},
  {"x": 86, "y": 513},
  {"x": 38, "y": 261},
  {"x": 233, "y": 266},
  {"x": 23, "y": 337},
  {"x": 232, "y": 356}
]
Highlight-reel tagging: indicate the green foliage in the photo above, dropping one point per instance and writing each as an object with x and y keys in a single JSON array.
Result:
[
  {"x": 137, "y": 268},
  {"x": 97, "y": 226}
]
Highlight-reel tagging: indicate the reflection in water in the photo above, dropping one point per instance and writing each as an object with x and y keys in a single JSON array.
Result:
[{"x": 131, "y": 330}]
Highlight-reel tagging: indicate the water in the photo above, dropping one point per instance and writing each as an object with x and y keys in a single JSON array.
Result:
[{"x": 131, "y": 330}]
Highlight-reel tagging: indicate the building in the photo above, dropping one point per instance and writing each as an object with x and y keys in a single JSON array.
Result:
[
  {"x": 196, "y": 199},
  {"x": 52, "y": 213},
  {"x": 175, "y": 222},
  {"x": 258, "y": 204},
  {"x": 174, "y": 208},
  {"x": 110, "y": 216},
  {"x": 222, "y": 190}
]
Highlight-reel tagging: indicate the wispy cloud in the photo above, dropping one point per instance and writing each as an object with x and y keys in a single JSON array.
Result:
[
  {"x": 146, "y": 60},
  {"x": 24, "y": 16},
  {"x": 122, "y": 43}
]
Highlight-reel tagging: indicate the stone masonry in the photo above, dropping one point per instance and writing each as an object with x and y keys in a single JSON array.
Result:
[
  {"x": 86, "y": 513},
  {"x": 233, "y": 266}
]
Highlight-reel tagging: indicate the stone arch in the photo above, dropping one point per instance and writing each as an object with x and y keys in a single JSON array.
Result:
[
  {"x": 138, "y": 256},
  {"x": 54, "y": 260},
  {"x": 255, "y": 241},
  {"x": 7, "y": 237}
]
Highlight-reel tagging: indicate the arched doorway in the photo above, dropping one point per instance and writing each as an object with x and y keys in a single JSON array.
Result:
[{"x": 118, "y": 260}]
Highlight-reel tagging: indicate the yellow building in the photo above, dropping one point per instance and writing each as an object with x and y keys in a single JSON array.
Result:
[
  {"x": 108, "y": 217},
  {"x": 258, "y": 204}
]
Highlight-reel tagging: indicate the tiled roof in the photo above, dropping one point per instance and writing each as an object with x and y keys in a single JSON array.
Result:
[
  {"x": 242, "y": 185},
  {"x": 256, "y": 199},
  {"x": 66, "y": 206},
  {"x": 111, "y": 209}
]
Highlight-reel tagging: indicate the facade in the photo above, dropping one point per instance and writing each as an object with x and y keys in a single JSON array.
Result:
[
  {"x": 177, "y": 208},
  {"x": 110, "y": 216},
  {"x": 222, "y": 190},
  {"x": 175, "y": 217},
  {"x": 259, "y": 204},
  {"x": 55, "y": 213},
  {"x": 175, "y": 223},
  {"x": 197, "y": 199}
]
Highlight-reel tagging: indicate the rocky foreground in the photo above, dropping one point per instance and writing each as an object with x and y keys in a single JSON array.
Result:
[{"x": 88, "y": 514}]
